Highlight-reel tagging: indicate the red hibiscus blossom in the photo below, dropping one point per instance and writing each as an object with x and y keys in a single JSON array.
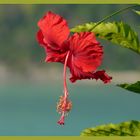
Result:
[{"x": 81, "y": 53}]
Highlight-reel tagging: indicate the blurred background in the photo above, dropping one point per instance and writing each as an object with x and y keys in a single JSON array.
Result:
[{"x": 30, "y": 88}]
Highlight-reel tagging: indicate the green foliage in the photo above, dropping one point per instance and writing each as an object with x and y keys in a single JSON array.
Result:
[
  {"x": 116, "y": 32},
  {"x": 137, "y": 12},
  {"x": 132, "y": 87},
  {"x": 131, "y": 128}
]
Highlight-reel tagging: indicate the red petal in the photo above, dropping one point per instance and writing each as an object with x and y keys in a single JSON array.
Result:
[
  {"x": 52, "y": 36},
  {"x": 51, "y": 55},
  {"x": 78, "y": 74},
  {"x": 84, "y": 75},
  {"x": 54, "y": 29},
  {"x": 102, "y": 76},
  {"x": 86, "y": 53},
  {"x": 85, "y": 56},
  {"x": 40, "y": 38},
  {"x": 55, "y": 55}
]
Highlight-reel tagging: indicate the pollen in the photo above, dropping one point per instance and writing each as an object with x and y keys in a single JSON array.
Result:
[{"x": 64, "y": 105}]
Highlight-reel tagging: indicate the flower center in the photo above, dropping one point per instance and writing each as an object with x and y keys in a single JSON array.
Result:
[{"x": 64, "y": 105}]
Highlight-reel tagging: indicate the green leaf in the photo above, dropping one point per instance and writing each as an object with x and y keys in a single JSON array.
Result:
[
  {"x": 130, "y": 128},
  {"x": 116, "y": 32},
  {"x": 137, "y": 12},
  {"x": 132, "y": 87}
]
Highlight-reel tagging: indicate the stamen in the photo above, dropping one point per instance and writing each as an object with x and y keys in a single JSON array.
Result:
[
  {"x": 64, "y": 105},
  {"x": 64, "y": 75}
]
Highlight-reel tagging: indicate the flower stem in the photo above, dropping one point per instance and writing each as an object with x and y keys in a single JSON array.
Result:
[{"x": 113, "y": 14}]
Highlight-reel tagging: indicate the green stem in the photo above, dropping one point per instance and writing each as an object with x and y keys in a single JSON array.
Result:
[{"x": 113, "y": 14}]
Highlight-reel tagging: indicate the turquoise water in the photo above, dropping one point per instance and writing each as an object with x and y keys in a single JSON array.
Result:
[{"x": 29, "y": 109}]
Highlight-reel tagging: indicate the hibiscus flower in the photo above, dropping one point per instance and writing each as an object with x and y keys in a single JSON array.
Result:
[{"x": 81, "y": 53}]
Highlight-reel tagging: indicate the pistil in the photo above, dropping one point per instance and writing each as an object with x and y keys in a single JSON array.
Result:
[{"x": 64, "y": 104}]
